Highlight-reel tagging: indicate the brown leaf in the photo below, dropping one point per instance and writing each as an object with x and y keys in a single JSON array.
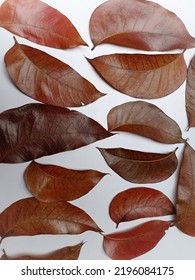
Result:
[
  {"x": 131, "y": 243},
  {"x": 39, "y": 23},
  {"x": 29, "y": 216},
  {"x": 47, "y": 79},
  {"x": 140, "y": 167},
  {"x": 66, "y": 253},
  {"x": 54, "y": 183},
  {"x": 36, "y": 130},
  {"x": 141, "y": 75},
  {"x": 143, "y": 118},
  {"x": 140, "y": 202},
  {"x": 138, "y": 24},
  {"x": 185, "y": 203}
]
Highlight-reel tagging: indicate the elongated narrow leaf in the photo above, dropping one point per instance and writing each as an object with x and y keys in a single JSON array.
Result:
[
  {"x": 129, "y": 244},
  {"x": 190, "y": 93},
  {"x": 29, "y": 216},
  {"x": 185, "y": 203},
  {"x": 140, "y": 167},
  {"x": 40, "y": 23},
  {"x": 141, "y": 75},
  {"x": 54, "y": 183},
  {"x": 140, "y": 202},
  {"x": 47, "y": 79},
  {"x": 143, "y": 118},
  {"x": 36, "y": 130},
  {"x": 138, "y": 24},
  {"x": 66, "y": 253}
]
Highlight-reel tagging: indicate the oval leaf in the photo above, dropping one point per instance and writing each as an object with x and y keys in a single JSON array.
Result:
[
  {"x": 29, "y": 216},
  {"x": 140, "y": 167},
  {"x": 36, "y": 130},
  {"x": 140, "y": 202},
  {"x": 141, "y": 75},
  {"x": 138, "y": 24},
  {"x": 185, "y": 202},
  {"x": 39, "y": 23},
  {"x": 143, "y": 118},
  {"x": 47, "y": 79},
  {"x": 131, "y": 243},
  {"x": 54, "y": 183}
]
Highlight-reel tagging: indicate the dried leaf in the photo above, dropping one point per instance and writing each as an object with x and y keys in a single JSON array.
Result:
[
  {"x": 185, "y": 203},
  {"x": 141, "y": 75},
  {"x": 39, "y": 23},
  {"x": 54, "y": 183},
  {"x": 47, "y": 79},
  {"x": 36, "y": 130},
  {"x": 140, "y": 202},
  {"x": 139, "y": 24},
  {"x": 140, "y": 167},
  {"x": 29, "y": 216},
  {"x": 143, "y": 118},
  {"x": 129, "y": 244},
  {"x": 66, "y": 253}
]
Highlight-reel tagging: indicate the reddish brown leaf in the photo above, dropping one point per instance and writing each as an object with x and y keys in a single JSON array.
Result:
[
  {"x": 129, "y": 244},
  {"x": 140, "y": 167},
  {"x": 29, "y": 216},
  {"x": 39, "y": 23},
  {"x": 185, "y": 204},
  {"x": 47, "y": 79},
  {"x": 66, "y": 253},
  {"x": 138, "y": 24},
  {"x": 36, "y": 130},
  {"x": 140, "y": 202},
  {"x": 143, "y": 118},
  {"x": 141, "y": 75},
  {"x": 54, "y": 183}
]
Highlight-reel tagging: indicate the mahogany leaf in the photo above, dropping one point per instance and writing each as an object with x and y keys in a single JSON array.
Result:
[
  {"x": 141, "y": 75},
  {"x": 185, "y": 203},
  {"x": 29, "y": 216},
  {"x": 131, "y": 243},
  {"x": 54, "y": 183},
  {"x": 140, "y": 202},
  {"x": 140, "y": 167},
  {"x": 143, "y": 118},
  {"x": 66, "y": 253},
  {"x": 39, "y": 23},
  {"x": 139, "y": 24},
  {"x": 47, "y": 79},
  {"x": 36, "y": 130}
]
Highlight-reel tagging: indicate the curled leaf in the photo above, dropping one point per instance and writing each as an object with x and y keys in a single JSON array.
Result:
[
  {"x": 47, "y": 79},
  {"x": 140, "y": 167},
  {"x": 143, "y": 118},
  {"x": 131, "y": 243},
  {"x": 29, "y": 216},
  {"x": 39, "y": 23},
  {"x": 36, "y": 130},
  {"x": 139, "y": 24},
  {"x": 141, "y": 75},
  {"x": 54, "y": 183},
  {"x": 140, "y": 202}
]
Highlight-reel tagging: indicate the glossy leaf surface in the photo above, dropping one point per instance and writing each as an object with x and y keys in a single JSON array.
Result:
[
  {"x": 140, "y": 167},
  {"x": 39, "y": 23},
  {"x": 47, "y": 79},
  {"x": 140, "y": 202},
  {"x": 54, "y": 183},
  {"x": 29, "y": 216},
  {"x": 144, "y": 119},
  {"x": 190, "y": 93},
  {"x": 138, "y": 24},
  {"x": 36, "y": 130},
  {"x": 141, "y": 75},
  {"x": 131, "y": 243}
]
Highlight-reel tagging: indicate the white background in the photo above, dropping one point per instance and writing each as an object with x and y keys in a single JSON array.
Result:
[{"x": 175, "y": 245}]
